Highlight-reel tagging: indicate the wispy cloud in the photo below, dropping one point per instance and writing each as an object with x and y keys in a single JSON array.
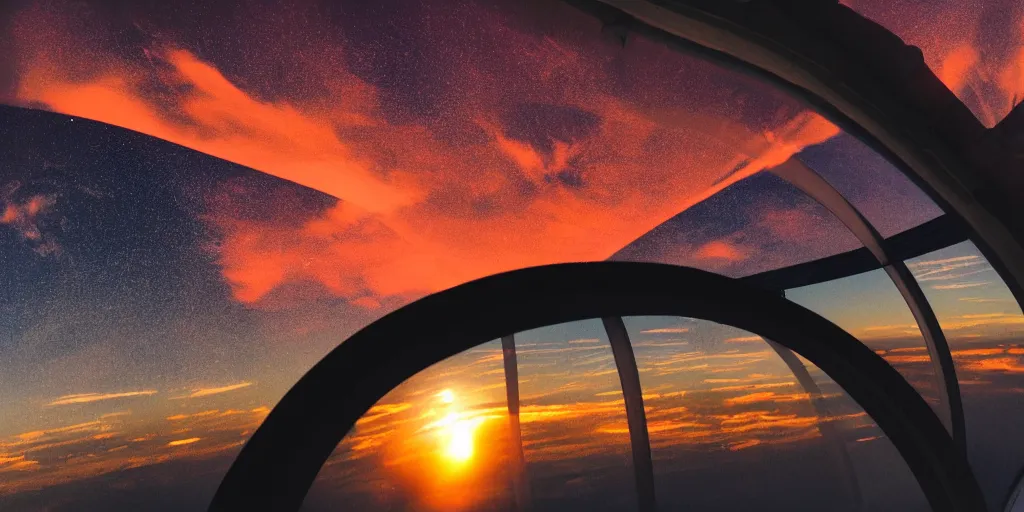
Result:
[
  {"x": 960, "y": 286},
  {"x": 889, "y": 327},
  {"x": 84, "y": 398},
  {"x": 943, "y": 262},
  {"x": 666, "y": 330},
  {"x": 997, "y": 364},
  {"x": 981, "y": 300},
  {"x": 25, "y": 218},
  {"x": 740, "y": 445},
  {"x": 201, "y": 392},
  {"x": 661, "y": 344},
  {"x": 927, "y": 271},
  {"x": 180, "y": 442},
  {"x": 949, "y": 276},
  {"x": 982, "y": 319},
  {"x": 722, "y": 250},
  {"x": 888, "y": 331},
  {"x": 766, "y": 396},
  {"x": 743, "y": 339}
]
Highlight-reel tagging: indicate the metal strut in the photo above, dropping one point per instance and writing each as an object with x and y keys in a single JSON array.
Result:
[
  {"x": 811, "y": 183},
  {"x": 520, "y": 485},
  {"x": 629, "y": 378}
]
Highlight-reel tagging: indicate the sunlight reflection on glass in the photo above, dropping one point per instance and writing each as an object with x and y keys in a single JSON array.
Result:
[
  {"x": 722, "y": 406},
  {"x": 456, "y": 432}
]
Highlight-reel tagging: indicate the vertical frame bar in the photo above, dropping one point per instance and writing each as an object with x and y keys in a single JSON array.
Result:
[
  {"x": 639, "y": 440},
  {"x": 804, "y": 178},
  {"x": 520, "y": 485}
]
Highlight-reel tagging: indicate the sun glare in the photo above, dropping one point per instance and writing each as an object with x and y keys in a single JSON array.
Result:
[
  {"x": 446, "y": 396},
  {"x": 456, "y": 432},
  {"x": 461, "y": 437}
]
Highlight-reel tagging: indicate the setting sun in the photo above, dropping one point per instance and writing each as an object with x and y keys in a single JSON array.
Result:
[
  {"x": 456, "y": 431},
  {"x": 461, "y": 437}
]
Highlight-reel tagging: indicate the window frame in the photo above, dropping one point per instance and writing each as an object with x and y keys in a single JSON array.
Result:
[{"x": 281, "y": 460}]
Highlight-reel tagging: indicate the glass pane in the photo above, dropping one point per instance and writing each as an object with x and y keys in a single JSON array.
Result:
[
  {"x": 985, "y": 329},
  {"x": 975, "y": 47},
  {"x": 723, "y": 407},
  {"x": 870, "y": 307},
  {"x": 407, "y": 453},
  {"x": 575, "y": 434},
  {"x": 1016, "y": 503},
  {"x": 761, "y": 223},
  {"x": 437, "y": 442},
  {"x": 148, "y": 263},
  {"x": 883, "y": 194}
]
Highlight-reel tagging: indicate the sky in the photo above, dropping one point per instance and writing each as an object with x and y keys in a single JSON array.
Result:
[{"x": 198, "y": 202}]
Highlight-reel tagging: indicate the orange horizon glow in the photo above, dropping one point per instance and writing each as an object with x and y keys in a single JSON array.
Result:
[{"x": 438, "y": 441}]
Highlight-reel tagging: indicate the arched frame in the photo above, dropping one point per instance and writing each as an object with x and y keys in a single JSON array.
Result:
[
  {"x": 279, "y": 463},
  {"x": 920, "y": 134}
]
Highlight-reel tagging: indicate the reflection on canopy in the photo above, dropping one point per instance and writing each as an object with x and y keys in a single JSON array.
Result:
[
  {"x": 557, "y": 144},
  {"x": 975, "y": 48}
]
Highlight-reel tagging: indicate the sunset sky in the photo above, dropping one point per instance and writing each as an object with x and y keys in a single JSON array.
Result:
[{"x": 198, "y": 202}]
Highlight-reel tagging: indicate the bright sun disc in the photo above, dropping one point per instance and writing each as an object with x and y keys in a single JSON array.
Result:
[{"x": 460, "y": 444}]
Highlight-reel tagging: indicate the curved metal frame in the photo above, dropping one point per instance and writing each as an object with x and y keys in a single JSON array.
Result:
[
  {"x": 282, "y": 458},
  {"x": 520, "y": 484},
  {"x": 1015, "y": 493},
  {"x": 930, "y": 135},
  {"x": 811, "y": 183},
  {"x": 938, "y": 233},
  {"x": 836, "y": 443},
  {"x": 636, "y": 417}
]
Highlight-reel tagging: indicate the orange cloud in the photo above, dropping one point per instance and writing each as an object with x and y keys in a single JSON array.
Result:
[
  {"x": 976, "y": 352},
  {"x": 744, "y": 339},
  {"x": 4, "y": 459},
  {"x": 25, "y": 218},
  {"x": 741, "y": 445},
  {"x": 981, "y": 300},
  {"x": 182, "y": 442},
  {"x": 666, "y": 330},
  {"x": 722, "y": 250},
  {"x": 960, "y": 286},
  {"x": 976, "y": 49},
  {"x": 766, "y": 396},
  {"x": 999, "y": 364},
  {"x": 749, "y": 387},
  {"x": 84, "y": 398},
  {"x": 901, "y": 359},
  {"x": 408, "y": 195},
  {"x": 971, "y": 321},
  {"x": 201, "y": 392},
  {"x": 179, "y": 417},
  {"x": 944, "y": 262},
  {"x": 956, "y": 67}
]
